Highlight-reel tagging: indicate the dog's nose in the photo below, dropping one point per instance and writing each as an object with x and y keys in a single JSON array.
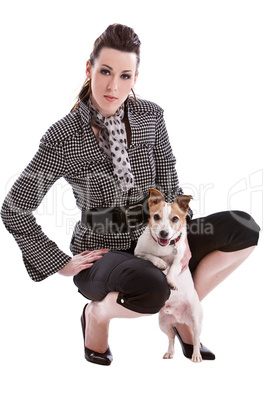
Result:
[{"x": 163, "y": 234}]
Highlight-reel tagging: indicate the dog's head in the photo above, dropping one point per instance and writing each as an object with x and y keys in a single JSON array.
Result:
[{"x": 167, "y": 220}]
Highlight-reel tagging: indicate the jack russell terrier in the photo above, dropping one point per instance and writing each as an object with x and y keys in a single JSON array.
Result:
[{"x": 163, "y": 243}]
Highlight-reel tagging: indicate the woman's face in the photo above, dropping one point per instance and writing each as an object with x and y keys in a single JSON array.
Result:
[{"x": 112, "y": 77}]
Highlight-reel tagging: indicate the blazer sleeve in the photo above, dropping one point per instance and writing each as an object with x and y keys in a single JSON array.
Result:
[
  {"x": 165, "y": 163},
  {"x": 41, "y": 256}
]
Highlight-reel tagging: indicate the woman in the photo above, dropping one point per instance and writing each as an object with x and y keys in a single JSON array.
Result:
[{"x": 112, "y": 148}]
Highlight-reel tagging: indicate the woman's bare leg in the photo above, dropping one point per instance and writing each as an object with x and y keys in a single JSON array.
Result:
[
  {"x": 98, "y": 316},
  {"x": 210, "y": 272}
]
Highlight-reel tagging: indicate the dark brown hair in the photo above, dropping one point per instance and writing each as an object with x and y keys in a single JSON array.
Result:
[{"x": 118, "y": 37}]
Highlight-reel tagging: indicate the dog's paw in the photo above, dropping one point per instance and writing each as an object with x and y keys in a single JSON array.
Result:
[
  {"x": 168, "y": 355},
  {"x": 172, "y": 284},
  {"x": 196, "y": 358},
  {"x": 161, "y": 264}
]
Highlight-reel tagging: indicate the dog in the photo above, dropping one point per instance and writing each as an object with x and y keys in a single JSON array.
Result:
[{"x": 163, "y": 243}]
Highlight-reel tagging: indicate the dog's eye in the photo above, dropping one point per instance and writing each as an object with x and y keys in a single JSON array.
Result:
[
  {"x": 175, "y": 219},
  {"x": 156, "y": 217}
]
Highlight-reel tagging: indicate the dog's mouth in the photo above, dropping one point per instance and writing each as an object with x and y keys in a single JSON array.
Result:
[{"x": 163, "y": 242}]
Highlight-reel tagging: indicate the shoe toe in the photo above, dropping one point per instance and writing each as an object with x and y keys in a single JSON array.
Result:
[{"x": 104, "y": 359}]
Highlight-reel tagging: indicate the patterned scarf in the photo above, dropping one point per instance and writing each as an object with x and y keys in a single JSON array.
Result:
[{"x": 113, "y": 141}]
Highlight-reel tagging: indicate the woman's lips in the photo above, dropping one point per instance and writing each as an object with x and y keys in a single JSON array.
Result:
[{"x": 110, "y": 98}]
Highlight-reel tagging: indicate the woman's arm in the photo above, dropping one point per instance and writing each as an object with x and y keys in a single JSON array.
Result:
[{"x": 41, "y": 256}]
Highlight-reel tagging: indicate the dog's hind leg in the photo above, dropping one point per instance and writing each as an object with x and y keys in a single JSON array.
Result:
[
  {"x": 196, "y": 324},
  {"x": 170, "y": 353},
  {"x": 165, "y": 322},
  {"x": 196, "y": 357}
]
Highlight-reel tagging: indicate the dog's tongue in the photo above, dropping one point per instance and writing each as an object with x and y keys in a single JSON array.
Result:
[{"x": 163, "y": 242}]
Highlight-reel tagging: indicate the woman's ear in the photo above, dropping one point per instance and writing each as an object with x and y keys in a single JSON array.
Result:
[
  {"x": 88, "y": 69},
  {"x": 136, "y": 76}
]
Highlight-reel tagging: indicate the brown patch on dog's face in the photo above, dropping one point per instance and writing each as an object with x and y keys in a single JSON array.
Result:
[{"x": 155, "y": 197}]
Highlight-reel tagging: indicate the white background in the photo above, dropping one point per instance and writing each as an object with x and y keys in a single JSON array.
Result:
[{"x": 205, "y": 63}]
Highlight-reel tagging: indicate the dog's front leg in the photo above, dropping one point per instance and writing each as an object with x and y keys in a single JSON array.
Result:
[
  {"x": 158, "y": 262},
  {"x": 173, "y": 273}
]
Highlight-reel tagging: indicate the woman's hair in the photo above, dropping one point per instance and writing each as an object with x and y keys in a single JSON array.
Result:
[{"x": 118, "y": 37}]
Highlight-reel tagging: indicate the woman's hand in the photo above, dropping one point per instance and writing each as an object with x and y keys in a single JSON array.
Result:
[
  {"x": 187, "y": 256},
  {"x": 82, "y": 261}
]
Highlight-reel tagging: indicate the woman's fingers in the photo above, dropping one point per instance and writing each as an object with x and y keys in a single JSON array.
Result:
[
  {"x": 93, "y": 255},
  {"x": 101, "y": 251},
  {"x": 88, "y": 257},
  {"x": 82, "y": 261}
]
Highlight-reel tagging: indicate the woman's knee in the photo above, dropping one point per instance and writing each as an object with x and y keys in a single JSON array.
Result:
[
  {"x": 245, "y": 220},
  {"x": 149, "y": 294},
  {"x": 243, "y": 230}
]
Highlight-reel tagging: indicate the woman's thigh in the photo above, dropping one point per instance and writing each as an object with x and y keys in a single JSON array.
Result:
[{"x": 224, "y": 231}]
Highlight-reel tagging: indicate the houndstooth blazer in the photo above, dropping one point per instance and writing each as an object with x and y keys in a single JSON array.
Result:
[{"x": 69, "y": 149}]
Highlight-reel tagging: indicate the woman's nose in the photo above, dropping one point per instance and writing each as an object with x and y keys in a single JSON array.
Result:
[{"x": 113, "y": 84}]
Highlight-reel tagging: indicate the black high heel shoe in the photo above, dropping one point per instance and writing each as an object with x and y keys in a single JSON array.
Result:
[
  {"x": 188, "y": 349},
  {"x": 105, "y": 359}
]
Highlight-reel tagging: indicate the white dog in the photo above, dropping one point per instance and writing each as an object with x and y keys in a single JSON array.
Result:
[{"x": 163, "y": 243}]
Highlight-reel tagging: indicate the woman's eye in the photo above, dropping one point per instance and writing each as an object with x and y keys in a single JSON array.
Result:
[
  {"x": 125, "y": 76},
  {"x": 175, "y": 219},
  {"x": 105, "y": 72},
  {"x": 156, "y": 217}
]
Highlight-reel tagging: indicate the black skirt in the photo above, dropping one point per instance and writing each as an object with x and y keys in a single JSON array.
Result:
[{"x": 224, "y": 231}]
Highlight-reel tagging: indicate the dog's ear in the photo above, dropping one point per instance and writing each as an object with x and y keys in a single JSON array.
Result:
[
  {"x": 155, "y": 197},
  {"x": 183, "y": 202}
]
